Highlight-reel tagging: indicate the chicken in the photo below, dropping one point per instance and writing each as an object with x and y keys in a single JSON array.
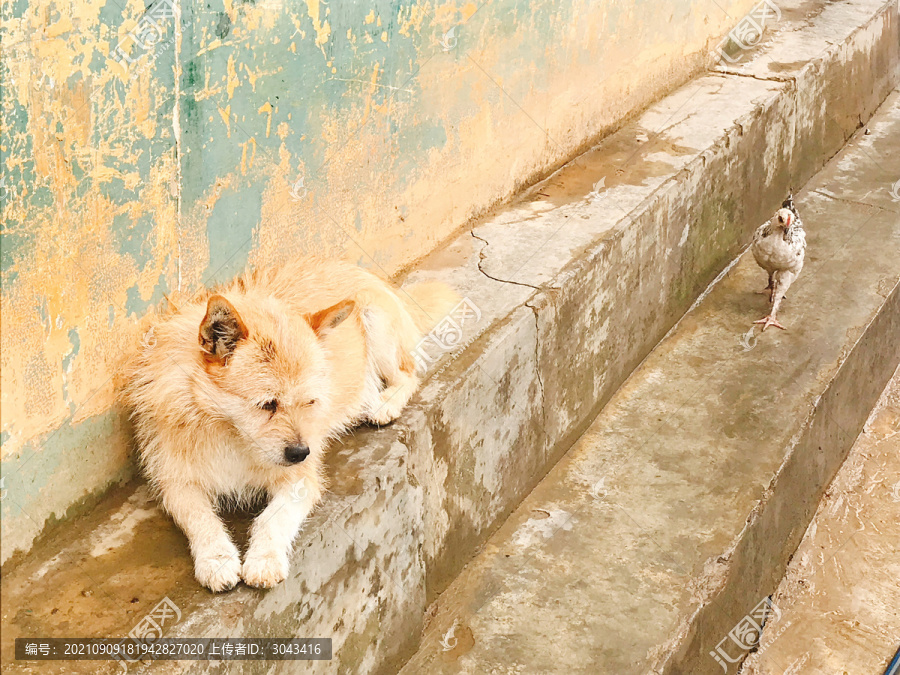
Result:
[{"x": 779, "y": 247}]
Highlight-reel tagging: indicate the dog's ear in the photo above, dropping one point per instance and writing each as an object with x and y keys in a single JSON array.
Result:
[
  {"x": 323, "y": 321},
  {"x": 221, "y": 329}
]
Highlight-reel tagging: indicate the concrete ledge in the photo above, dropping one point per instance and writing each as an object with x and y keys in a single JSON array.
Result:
[
  {"x": 594, "y": 279},
  {"x": 849, "y": 552},
  {"x": 677, "y": 511},
  {"x": 576, "y": 284}
]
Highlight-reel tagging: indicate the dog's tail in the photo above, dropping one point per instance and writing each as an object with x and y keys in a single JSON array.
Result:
[{"x": 428, "y": 302}]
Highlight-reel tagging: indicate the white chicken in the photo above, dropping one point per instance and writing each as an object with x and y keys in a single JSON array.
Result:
[{"x": 779, "y": 247}]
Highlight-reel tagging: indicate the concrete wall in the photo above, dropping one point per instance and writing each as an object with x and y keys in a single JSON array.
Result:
[{"x": 255, "y": 131}]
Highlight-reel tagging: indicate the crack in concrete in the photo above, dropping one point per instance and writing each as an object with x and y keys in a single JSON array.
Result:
[
  {"x": 537, "y": 365},
  {"x": 537, "y": 368},
  {"x": 852, "y": 201},
  {"x": 482, "y": 255},
  {"x": 773, "y": 78}
]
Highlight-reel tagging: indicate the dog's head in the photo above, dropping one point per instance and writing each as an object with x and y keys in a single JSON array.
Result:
[{"x": 270, "y": 376}]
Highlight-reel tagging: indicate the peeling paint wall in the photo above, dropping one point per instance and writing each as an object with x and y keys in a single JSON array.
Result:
[{"x": 245, "y": 133}]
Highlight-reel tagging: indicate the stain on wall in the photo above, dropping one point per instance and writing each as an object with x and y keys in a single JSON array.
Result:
[{"x": 148, "y": 150}]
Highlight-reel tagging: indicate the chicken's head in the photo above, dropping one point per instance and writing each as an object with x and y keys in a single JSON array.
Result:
[{"x": 783, "y": 218}]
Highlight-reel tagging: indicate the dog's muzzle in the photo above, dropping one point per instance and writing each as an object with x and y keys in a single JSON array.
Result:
[{"x": 294, "y": 454}]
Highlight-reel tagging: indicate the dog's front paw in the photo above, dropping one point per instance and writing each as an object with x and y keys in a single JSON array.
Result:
[
  {"x": 264, "y": 570},
  {"x": 390, "y": 408},
  {"x": 218, "y": 571}
]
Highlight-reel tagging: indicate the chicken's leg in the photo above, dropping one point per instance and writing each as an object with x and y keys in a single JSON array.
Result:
[
  {"x": 777, "y": 296},
  {"x": 768, "y": 289},
  {"x": 770, "y": 320}
]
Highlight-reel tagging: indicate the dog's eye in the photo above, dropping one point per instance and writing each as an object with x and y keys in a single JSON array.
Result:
[
  {"x": 270, "y": 406},
  {"x": 310, "y": 402}
]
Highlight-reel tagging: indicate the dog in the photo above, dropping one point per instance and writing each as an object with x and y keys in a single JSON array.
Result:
[{"x": 239, "y": 392}]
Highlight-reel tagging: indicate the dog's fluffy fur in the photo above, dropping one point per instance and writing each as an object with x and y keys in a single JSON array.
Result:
[{"x": 234, "y": 387}]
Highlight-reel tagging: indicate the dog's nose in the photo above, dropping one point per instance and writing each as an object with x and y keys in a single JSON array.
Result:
[{"x": 293, "y": 454}]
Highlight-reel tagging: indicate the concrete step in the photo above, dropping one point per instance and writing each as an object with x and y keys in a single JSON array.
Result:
[
  {"x": 677, "y": 511},
  {"x": 839, "y": 602},
  {"x": 574, "y": 284}
]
